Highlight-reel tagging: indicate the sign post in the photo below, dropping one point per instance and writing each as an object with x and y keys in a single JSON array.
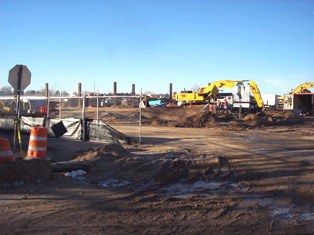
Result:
[
  {"x": 240, "y": 84},
  {"x": 19, "y": 78}
]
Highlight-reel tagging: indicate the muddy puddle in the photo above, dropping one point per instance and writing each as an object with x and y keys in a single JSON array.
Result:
[
  {"x": 278, "y": 209},
  {"x": 197, "y": 188}
]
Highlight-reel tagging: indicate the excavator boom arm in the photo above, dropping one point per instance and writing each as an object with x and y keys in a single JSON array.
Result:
[
  {"x": 257, "y": 94},
  {"x": 218, "y": 84},
  {"x": 303, "y": 86}
]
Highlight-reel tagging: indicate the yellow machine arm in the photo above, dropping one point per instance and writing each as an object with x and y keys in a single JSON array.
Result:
[
  {"x": 257, "y": 94},
  {"x": 218, "y": 84},
  {"x": 303, "y": 86}
]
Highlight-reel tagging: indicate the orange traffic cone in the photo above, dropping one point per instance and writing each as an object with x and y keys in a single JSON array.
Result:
[{"x": 6, "y": 154}]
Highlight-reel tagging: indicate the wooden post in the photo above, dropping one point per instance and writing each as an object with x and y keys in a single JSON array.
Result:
[
  {"x": 170, "y": 91},
  {"x": 79, "y": 94},
  {"x": 133, "y": 93},
  {"x": 115, "y": 93},
  {"x": 312, "y": 104},
  {"x": 146, "y": 101},
  {"x": 46, "y": 90}
]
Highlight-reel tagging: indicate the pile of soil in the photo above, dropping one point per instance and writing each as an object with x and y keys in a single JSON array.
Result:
[
  {"x": 272, "y": 118},
  {"x": 232, "y": 121},
  {"x": 205, "y": 119},
  {"x": 114, "y": 162},
  {"x": 25, "y": 171}
]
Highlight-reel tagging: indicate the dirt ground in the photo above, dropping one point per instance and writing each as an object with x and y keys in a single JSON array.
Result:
[{"x": 210, "y": 180}]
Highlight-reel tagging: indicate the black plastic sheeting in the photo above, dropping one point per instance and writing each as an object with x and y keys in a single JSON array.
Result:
[
  {"x": 95, "y": 130},
  {"x": 59, "y": 129}
]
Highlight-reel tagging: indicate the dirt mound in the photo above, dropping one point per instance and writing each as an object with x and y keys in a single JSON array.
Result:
[
  {"x": 211, "y": 168},
  {"x": 162, "y": 169},
  {"x": 204, "y": 120},
  {"x": 158, "y": 122},
  {"x": 109, "y": 151},
  {"x": 172, "y": 171},
  {"x": 232, "y": 120},
  {"x": 272, "y": 118},
  {"x": 169, "y": 114},
  {"x": 198, "y": 120},
  {"x": 101, "y": 160},
  {"x": 254, "y": 119},
  {"x": 25, "y": 171},
  {"x": 116, "y": 162}
]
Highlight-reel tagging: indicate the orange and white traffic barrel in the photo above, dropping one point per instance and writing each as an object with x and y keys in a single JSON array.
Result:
[
  {"x": 6, "y": 153},
  {"x": 37, "y": 146}
]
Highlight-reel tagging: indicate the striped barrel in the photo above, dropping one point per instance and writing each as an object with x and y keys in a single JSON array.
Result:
[
  {"x": 6, "y": 154},
  {"x": 37, "y": 146}
]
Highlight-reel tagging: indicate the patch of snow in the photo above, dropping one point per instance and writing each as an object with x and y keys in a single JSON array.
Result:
[
  {"x": 75, "y": 173},
  {"x": 180, "y": 188},
  {"x": 114, "y": 183}
]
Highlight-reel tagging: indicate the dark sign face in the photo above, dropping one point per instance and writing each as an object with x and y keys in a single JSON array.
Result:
[{"x": 19, "y": 72}]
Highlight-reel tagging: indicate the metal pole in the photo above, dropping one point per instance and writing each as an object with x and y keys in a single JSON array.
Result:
[
  {"x": 240, "y": 97},
  {"x": 140, "y": 121},
  {"x": 47, "y": 99},
  {"x": 18, "y": 93},
  {"x": 97, "y": 116},
  {"x": 83, "y": 120},
  {"x": 240, "y": 107},
  {"x": 60, "y": 107},
  {"x": 48, "y": 106},
  {"x": 97, "y": 104}
]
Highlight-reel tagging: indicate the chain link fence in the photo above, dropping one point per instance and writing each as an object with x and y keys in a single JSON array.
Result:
[{"x": 120, "y": 112}]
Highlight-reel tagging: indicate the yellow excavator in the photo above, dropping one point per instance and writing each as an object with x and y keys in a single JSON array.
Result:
[
  {"x": 303, "y": 87},
  {"x": 257, "y": 94},
  {"x": 208, "y": 93}
]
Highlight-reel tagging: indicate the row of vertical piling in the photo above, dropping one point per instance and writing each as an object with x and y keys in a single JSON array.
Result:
[{"x": 115, "y": 93}]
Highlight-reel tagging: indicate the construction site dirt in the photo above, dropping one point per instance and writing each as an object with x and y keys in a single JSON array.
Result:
[{"x": 253, "y": 175}]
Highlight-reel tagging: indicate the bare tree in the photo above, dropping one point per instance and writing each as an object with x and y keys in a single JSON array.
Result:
[
  {"x": 195, "y": 87},
  {"x": 6, "y": 89}
]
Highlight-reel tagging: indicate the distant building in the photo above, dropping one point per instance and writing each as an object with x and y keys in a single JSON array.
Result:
[{"x": 270, "y": 100}]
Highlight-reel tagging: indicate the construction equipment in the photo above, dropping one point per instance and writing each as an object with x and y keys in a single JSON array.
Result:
[
  {"x": 257, "y": 94},
  {"x": 204, "y": 93},
  {"x": 208, "y": 93},
  {"x": 303, "y": 88},
  {"x": 301, "y": 99}
]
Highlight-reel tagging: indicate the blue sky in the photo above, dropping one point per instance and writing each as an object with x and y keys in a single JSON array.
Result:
[{"x": 154, "y": 42}]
